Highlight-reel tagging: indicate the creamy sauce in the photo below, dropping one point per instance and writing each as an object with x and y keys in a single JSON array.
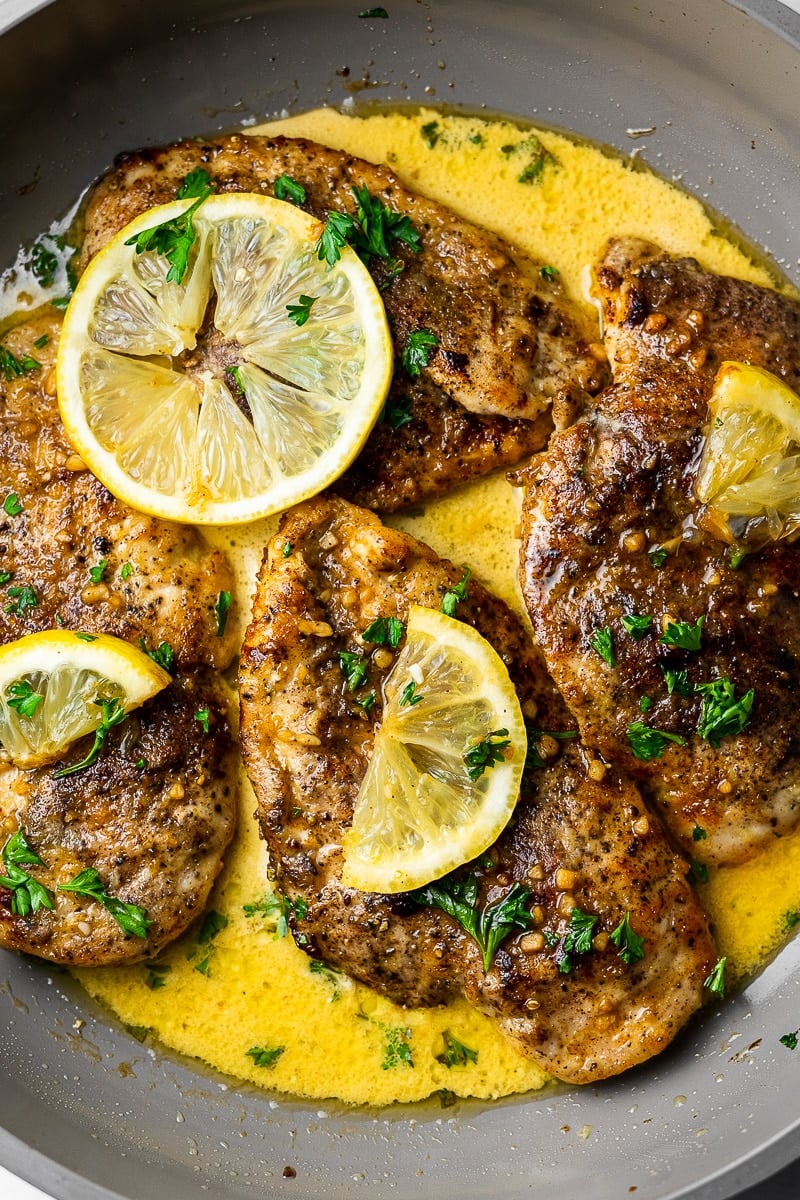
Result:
[{"x": 247, "y": 988}]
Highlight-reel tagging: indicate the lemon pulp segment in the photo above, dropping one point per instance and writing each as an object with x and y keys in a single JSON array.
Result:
[
  {"x": 206, "y": 401},
  {"x": 50, "y": 683},
  {"x": 421, "y": 811}
]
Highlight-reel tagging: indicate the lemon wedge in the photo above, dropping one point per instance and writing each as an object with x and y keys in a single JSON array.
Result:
[
  {"x": 234, "y": 387},
  {"x": 53, "y": 683},
  {"x": 447, "y": 762},
  {"x": 750, "y": 464}
]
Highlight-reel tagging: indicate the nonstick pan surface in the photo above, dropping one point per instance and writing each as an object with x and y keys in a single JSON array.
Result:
[{"x": 88, "y": 1113}]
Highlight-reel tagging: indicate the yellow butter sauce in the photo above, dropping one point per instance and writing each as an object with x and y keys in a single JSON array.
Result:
[{"x": 240, "y": 996}]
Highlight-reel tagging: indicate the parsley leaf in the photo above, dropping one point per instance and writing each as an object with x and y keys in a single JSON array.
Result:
[
  {"x": 678, "y": 681},
  {"x": 203, "y": 716},
  {"x": 409, "y": 695},
  {"x": 13, "y": 367},
  {"x": 384, "y": 631},
  {"x": 602, "y": 642},
  {"x": 12, "y": 504},
  {"x": 336, "y": 233},
  {"x": 286, "y": 188},
  {"x": 131, "y": 918},
  {"x": 721, "y": 714},
  {"x": 164, "y": 655},
  {"x": 112, "y": 714},
  {"x": 27, "y": 894},
  {"x": 173, "y": 239},
  {"x": 647, "y": 743},
  {"x": 682, "y": 635},
  {"x": 431, "y": 133},
  {"x": 23, "y": 598},
  {"x": 197, "y": 184},
  {"x": 300, "y": 312},
  {"x": 222, "y": 606},
  {"x": 456, "y": 594},
  {"x": 396, "y": 1047},
  {"x": 97, "y": 572},
  {"x": 265, "y": 1056},
  {"x": 488, "y": 926},
  {"x": 417, "y": 351},
  {"x": 21, "y": 696},
  {"x": 789, "y": 1040},
  {"x": 355, "y": 668},
  {"x": 369, "y": 232},
  {"x": 455, "y": 1054},
  {"x": 637, "y": 626},
  {"x": 630, "y": 945},
  {"x": 486, "y": 753},
  {"x": 397, "y": 411}
]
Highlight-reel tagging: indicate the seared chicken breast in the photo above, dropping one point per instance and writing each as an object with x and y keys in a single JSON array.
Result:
[
  {"x": 154, "y": 814},
  {"x": 613, "y": 534},
  {"x": 508, "y": 342},
  {"x": 581, "y": 845}
]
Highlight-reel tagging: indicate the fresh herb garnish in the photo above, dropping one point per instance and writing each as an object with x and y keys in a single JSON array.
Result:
[
  {"x": 13, "y": 367},
  {"x": 173, "y": 239},
  {"x": 12, "y": 505},
  {"x": 369, "y": 232},
  {"x": 629, "y": 943},
  {"x": 602, "y": 642},
  {"x": 355, "y": 668},
  {"x": 126, "y": 570},
  {"x": 286, "y": 550},
  {"x": 698, "y": 871},
  {"x": 721, "y": 714},
  {"x": 222, "y": 606},
  {"x": 645, "y": 704},
  {"x": 23, "y": 598},
  {"x": 678, "y": 681},
  {"x": 699, "y": 834},
  {"x": 396, "y": 1047},
  {"x": 577, "y": 939},
  {"x": 213, "y": 923},
  {"x": 682, "y": 635},
  {"x": 658, "y": 556},
  {"x": 549, "y": 272},
  {"x": 300, "y": 312},
  {"x": 409, "y": 695},
  {"x": 716, "y": 980},
  {"x": 736, "y": 557},
  {"x": 488, "y": 926},
  {"x": 488, "y": 752},
  {"x": 156, "y": 975},
  {"x": 789, "y": 1039},
  {"x": 43, "y": 263},
  {"x": 337, "y": 231},
  {"x": 384, "y": 631},
  {"x": 113, "y": 714},
  {"x": 637, "y": 626},
  {"x": 42, "y": 341},
  {"x": 431, "y": 133},
  {"x": 164, "y": 655},
  {"x": 27, "y": 894},
  {"x": 286, "y": 188},
  {"x": 397, "y": 411},
  {"x": 21, "y": 696},
  {"x": 455, "y": 1053},
  {"x": 97, "y": 572},
  {"x": 456, "y": 594},
  {"x": 367, "y": 702},
  {"x": 131, "y": 918},
  {"x": 647, "y": 743},
  {"x": 265, "y": 1056},
  {"x": 203, "y": 716},
  {"x": 417, "y": 350}
]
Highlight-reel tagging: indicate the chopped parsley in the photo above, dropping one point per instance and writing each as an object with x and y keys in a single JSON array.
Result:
[
  {"x": 213, "y": 923},
  {"x": 286, "y": 188},
  {"x": 126, "y": 570},
  {"x": 533, "y": 758},
  {"x": 549, "y": 272},
  {"x": 13, "y": 367},
  {"x": 682, "y": 635},
  {"x": 716, "y": 980},
  {"x": 43, "y": 263},
  {"x": 384, "y": 631},
  {"x": 301, "y": 311},
  {"x": 699, "y": 834},
  {"x": 222, "y": 606},
  {"x": 602, "y": 642},
  {"x": 637, "y": 626},
  {"x": 658, "y": 556},
  {"x": 431, "y": 133},
  {"x": 577, "y": 939},
  {"x": 409, "y": 695},
  {"x": 488, "y": 926},
  {"x": 22, "y": 599},
  {"x": 678, "y": 681},
  {"x": 367, "y": 702},
  {"x": 630, "y": 945},
  {"x": 113, "y": 714},
  {"x": 164, "y": 655},
  {"x": 456, "y": 594},
  {"x": 97, "y": 572},
  {"x": 645, "y": 704},
  {"x": 286, "y": 550},
  {"x": 698, "y": 871},
  {"x": 455, "y": 1053},
  {"x": 203, "y": 716},
  {"x": 417, "y": 350},
  {"x": 369, "y": 232},
  {"x": 397, "y": 411},
  {"x": 355, "y": 668},
  {"x": 647, "y": 743},
  {"x": 21, "y": 696},
  {"x": 736, "y": 557},
  {"x": 789, "y": 1040},
  {"x": 27, "y": 894},
  {"x": 131, "y": 918},
  {"x": 156, "y": 975},
  {"x": 488, "y": 752},
  {"x": 396, "y": 1047},
  {"x": 12, "y": 505},
  {"x": 173, "y": 239},
  {"x": 721, "y": 714},
  {"x": 265, "y": 1056}
]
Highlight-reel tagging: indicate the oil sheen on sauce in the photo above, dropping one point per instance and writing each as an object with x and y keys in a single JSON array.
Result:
[{"x": 236, "y": 993}]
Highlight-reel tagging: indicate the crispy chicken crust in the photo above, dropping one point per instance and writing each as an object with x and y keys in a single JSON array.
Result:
[
  {"x": 619, "y": 484},
  {"x": 510, "y": 343},
  {"x": 580, "y": 838}
]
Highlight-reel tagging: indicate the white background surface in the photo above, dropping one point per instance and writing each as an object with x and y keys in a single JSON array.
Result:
[{"x": 12, "y": 1188}]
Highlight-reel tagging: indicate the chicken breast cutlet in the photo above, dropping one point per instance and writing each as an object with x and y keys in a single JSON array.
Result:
[
  {"x": 153, "y": 816},
  {"x": 631, "y": 597},
  {"x": 581, "y": 845},
  {"x": 508, "y": 341}
]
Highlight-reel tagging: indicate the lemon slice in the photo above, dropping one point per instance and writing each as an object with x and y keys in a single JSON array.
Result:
[
  {"x": 750, "y": 465},
  {"x": 447, "y": 762},
  {"x": 244, "y": 388},
  {"x": 50, "y": 682}
]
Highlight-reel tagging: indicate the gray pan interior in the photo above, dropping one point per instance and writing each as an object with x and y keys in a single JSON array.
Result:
[{"x": 88, "y": 1112}]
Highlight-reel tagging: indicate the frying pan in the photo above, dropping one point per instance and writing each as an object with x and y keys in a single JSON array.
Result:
[{"x": 88, "y": 1112}]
